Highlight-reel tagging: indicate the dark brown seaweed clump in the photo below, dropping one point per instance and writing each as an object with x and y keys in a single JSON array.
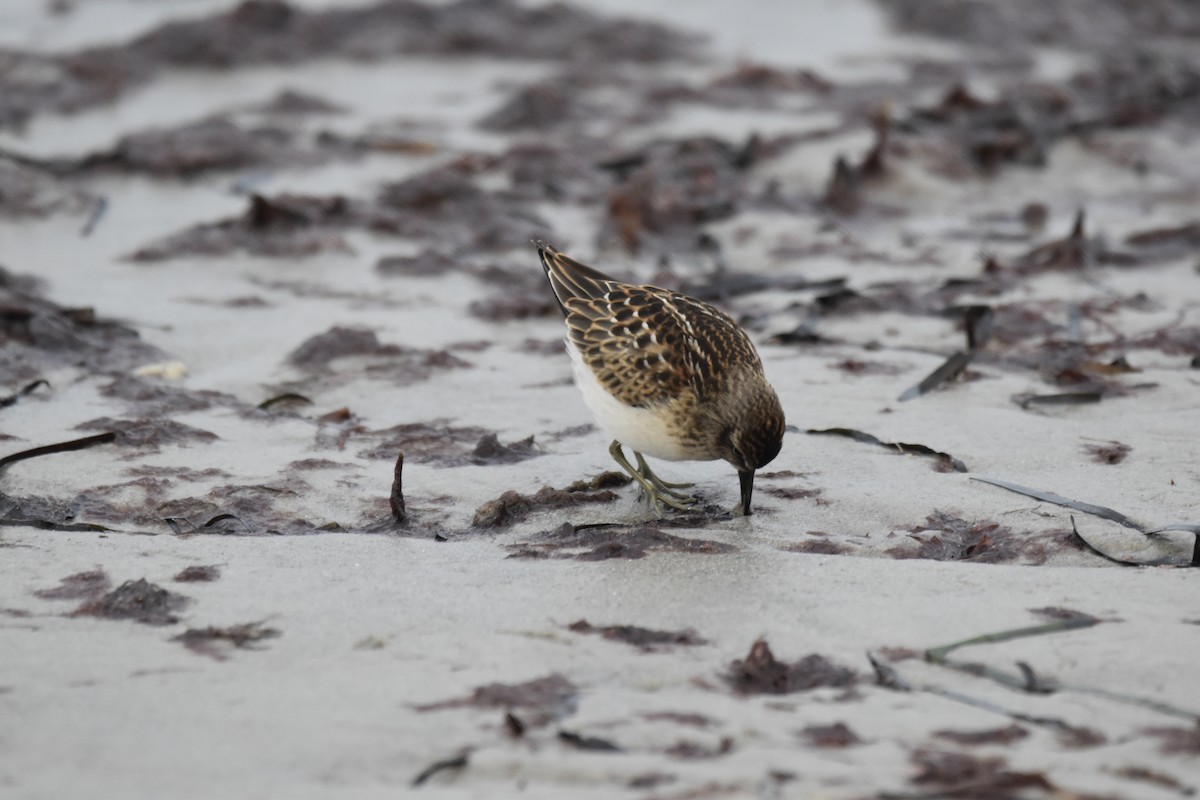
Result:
[
  {"x": 138, "y": 600},
  {"x": 761, "y": 673}
]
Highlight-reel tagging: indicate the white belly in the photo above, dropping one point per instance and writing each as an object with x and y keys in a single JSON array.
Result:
[{"x": 641, "y": 429}]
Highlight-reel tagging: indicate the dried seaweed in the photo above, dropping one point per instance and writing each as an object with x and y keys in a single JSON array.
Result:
[
  {"x": 1028, "y": 681},
  {"x": 455, "y": 762},
  {"x": 761, "y": 673},
  {"x": 274, "y": 32},
  {"x": 1062, "y": 399},
  {"x": 835, "y": 736},
  {"x": 59, "y": 447},
  {"x": 176, "y": 524},
  {"x": 147, "y": 433},
  {"x": 645, "y": 639},
  {"x": 593, "y": 743},
  {"x": 214, "y": 642},
  {"x": 1005, "y": 735},
  {"x": 945, "y": 463},
  {"x": 284, "y": 226},
  {"x": 978, "y": 322},
  {"x": 947, "y": 537},
  {"x": 138, "y": 600},
  {"x": 542, "y": 700},
  {"x": 198, "y": 574},
  {"x": 81, "y": 585},
  {"x": 396, "y": 496},
  {"x": 5, "y": 402},
  {"x": 1113, "y": 516},
  {"x": 687, "y": 750},
  {"x": 512, "y": 507},
  {"x": 287, "y": 399},
  {"x": 601, "y": 542},
  {"x": 667, "y": 190},
  {"x": 491, "y": 451},
  {"x": 1108, "y": 452},
  {"x": 966, "y": 777},
  {"x": 1176, "y": 741}
]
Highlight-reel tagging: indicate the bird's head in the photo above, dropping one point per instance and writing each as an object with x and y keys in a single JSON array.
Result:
[{"x": 754, "y": 432}]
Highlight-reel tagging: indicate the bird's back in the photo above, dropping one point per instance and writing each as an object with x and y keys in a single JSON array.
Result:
[{"x": 648, "y": 346}]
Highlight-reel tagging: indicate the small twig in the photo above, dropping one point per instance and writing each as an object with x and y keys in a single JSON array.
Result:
[
  {"x": 98, "y": 210},
  {"x": 456, "y": 762},
  {"x": 5, "y": 402},
  {"x": 1029, "y": 682},
  {"x": 59, "y": 447},
  {"x": 396, "y": 498}
]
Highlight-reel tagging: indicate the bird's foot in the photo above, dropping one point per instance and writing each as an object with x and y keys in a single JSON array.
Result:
[
  {"x": 663, "y": 487},
  {"x": 655, "y": 491}
]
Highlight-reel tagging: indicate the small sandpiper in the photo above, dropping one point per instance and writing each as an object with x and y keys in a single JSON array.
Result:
[{"x": 668, "y": 376}]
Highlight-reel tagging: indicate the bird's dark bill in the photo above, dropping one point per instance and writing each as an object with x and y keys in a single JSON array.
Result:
[{"x": 746, "y": 478}]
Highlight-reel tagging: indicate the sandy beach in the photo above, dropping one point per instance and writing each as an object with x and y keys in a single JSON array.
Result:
[{"x": 254, "y": 252}]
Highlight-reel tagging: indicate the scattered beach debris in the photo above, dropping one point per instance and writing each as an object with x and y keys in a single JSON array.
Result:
[
  {"x": 59, "y": 447},
  {"x": 512, "y": 506},
  {"x": 835, "y": 736},
  {"x": 602, "y": 541},
  {"x": 26, "y": 390},
  {"x": 593, "y": 743},
  {"x": 396, "y": 496},
  {"x": 945, "y": 461},
  {"x": 979, "y": 738},
  {"x": 215, "y": 642},
  {"x": 138, "y": 600},
  {"x": 82, "y": 585},
  {"x": 761, "y": 673},
  {"x": 453, "y": 763},
  {"x": 198, "y": 574},
  {"x": 647, "y": 640},
  {"x": 540, "y": 701},
  {"x": 1113, "y": 516}
]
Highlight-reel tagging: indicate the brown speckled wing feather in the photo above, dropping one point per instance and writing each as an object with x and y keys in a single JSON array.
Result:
[{"x": 647, "y": 345}]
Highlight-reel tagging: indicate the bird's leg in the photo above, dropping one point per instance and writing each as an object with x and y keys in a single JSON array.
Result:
[
  {"x": 660, "y": 484},
  {"x": 653, "y": 496}
]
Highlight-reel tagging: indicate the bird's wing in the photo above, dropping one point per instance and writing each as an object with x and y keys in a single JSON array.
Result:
[{"x": 646, "y": 345}]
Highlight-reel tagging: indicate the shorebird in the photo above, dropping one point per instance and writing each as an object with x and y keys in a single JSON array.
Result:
[{"x": 666, "y": 375}]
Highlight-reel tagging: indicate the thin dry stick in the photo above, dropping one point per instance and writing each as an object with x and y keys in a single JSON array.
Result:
[{"x": 1022, "y": 682}]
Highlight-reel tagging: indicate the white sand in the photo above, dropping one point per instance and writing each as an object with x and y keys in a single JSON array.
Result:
[{"x": 373, "y": 625}]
